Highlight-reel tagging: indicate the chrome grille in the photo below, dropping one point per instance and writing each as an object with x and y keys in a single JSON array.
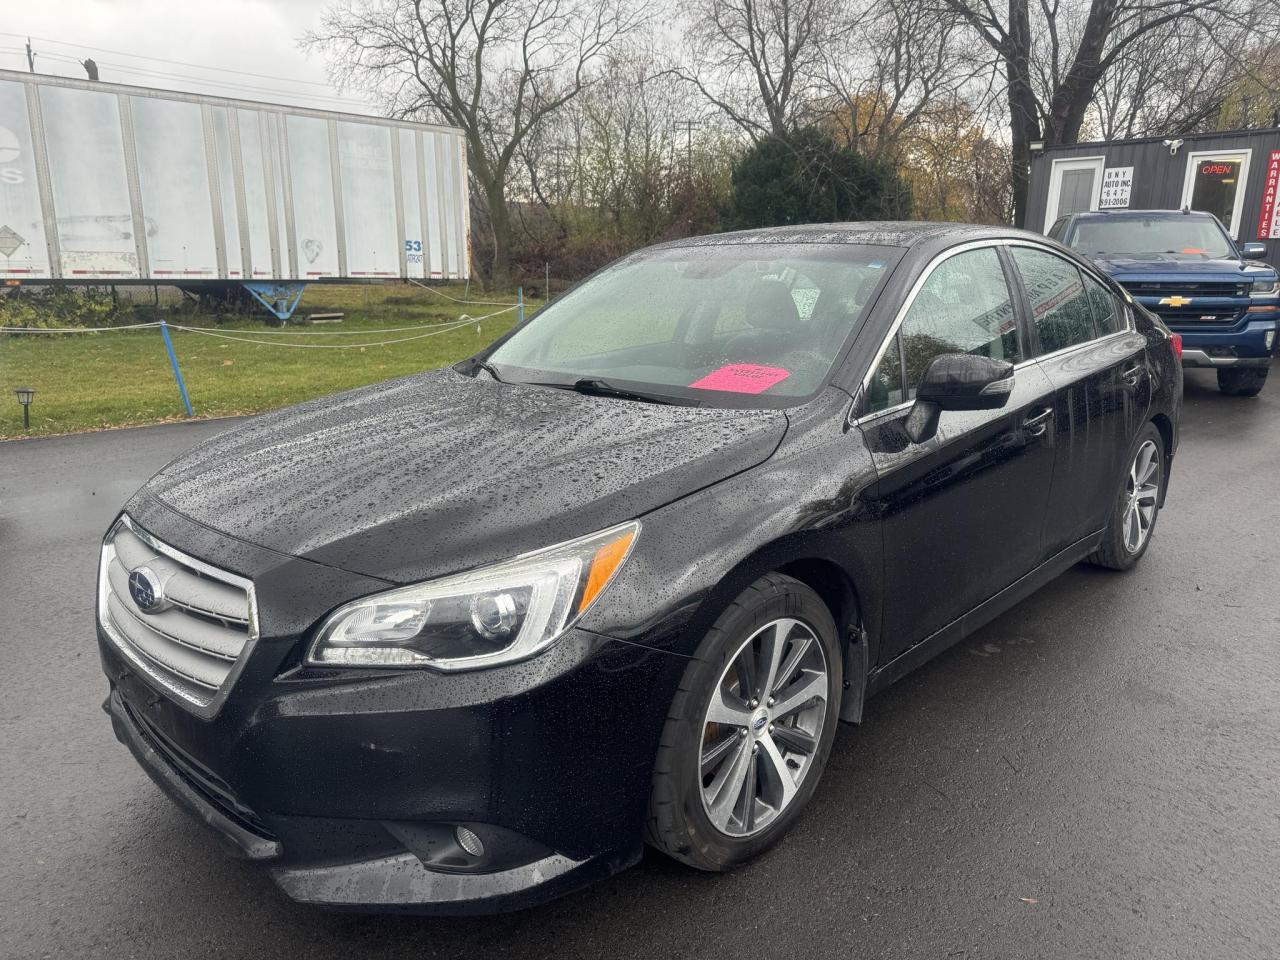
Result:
[
  {"x": 193, "y": 639},
  {"x": 1185, "y": 288}
]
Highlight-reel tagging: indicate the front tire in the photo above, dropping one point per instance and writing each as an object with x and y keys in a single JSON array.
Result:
[
  {"x": 750, "y": 728},
  {"x": 1136, "y": 509},
  {"x": 1242, "y": 381}
]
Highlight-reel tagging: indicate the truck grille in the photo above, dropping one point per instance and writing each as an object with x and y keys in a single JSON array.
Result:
[
  {"x": 1206, "y": 288},
  {"x": 198, "y": 620}
]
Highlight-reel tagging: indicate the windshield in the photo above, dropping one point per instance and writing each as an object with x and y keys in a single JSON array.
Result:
[
  {"x": 1179, "y": 236},
  {"x": 718, "y": 324}
]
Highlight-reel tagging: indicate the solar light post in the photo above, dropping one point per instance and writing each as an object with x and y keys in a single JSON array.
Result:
[{"x": 25, "y": 396}]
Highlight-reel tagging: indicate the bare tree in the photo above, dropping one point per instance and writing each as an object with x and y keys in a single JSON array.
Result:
[
  {"x": 760, "y": 61},
  {"x": 901, "y": 62},
  {"x": 1055, "y": 53},
  {"x": 624, "y": 164},
  {"x": 1141, "y": 96},
  {"x": 498, "y": 69}
]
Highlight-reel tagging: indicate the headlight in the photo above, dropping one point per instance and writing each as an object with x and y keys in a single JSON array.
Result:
[
  {"x": 497, "y": 614},
  {"x": 1264, "y": 288}
]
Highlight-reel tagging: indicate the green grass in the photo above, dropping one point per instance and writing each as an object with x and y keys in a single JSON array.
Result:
[{"x": 89, "y": 381}]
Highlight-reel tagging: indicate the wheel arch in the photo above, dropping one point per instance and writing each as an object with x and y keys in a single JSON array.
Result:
[
  {"x": 1165, "y": 427},
  {"x": 819, "y": 565}
]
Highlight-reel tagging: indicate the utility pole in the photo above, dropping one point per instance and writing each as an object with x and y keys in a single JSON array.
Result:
[{"x": 31, "y": 57}]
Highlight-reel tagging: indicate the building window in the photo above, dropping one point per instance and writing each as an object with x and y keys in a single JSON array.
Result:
[
  {"x": 1215, "y": 184},
  {"x": 1073, "y": 186}
]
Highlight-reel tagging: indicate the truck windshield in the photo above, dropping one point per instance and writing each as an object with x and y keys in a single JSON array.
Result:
[
  {"x": 725, "y": 324},
  {"x": 1180, "y": 236}
]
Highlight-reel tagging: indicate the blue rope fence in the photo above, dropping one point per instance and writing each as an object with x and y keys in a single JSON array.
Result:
[{"x": 445, "y": 326}]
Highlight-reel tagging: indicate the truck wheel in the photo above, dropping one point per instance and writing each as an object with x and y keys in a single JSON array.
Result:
[
  {"x": 1137, "y": 507},
  {"x": 1243, "y": 381},
  {"x": 750, "y": 728}
]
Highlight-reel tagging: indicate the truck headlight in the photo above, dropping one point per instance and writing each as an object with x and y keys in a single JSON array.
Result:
[
  {"x": 494, "y": 615},
  {"x": 1264, "y": 288}
]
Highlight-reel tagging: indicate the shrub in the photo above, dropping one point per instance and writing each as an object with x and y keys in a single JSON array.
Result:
[
  {"x": 806, "y": 177},
  {"x": 58, "y": 306}
]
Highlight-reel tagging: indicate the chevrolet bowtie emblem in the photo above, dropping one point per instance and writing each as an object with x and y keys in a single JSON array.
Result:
[{"x": 1175, "y": 301}]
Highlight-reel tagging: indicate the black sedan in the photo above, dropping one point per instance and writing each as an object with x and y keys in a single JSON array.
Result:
[{"x": 466, "y": 640}]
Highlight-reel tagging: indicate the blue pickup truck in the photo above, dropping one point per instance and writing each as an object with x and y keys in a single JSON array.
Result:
[{"x": 1184, "y": 267}]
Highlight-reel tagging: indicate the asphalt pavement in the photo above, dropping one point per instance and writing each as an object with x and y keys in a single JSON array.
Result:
[{"x": 1095, "y": 774}]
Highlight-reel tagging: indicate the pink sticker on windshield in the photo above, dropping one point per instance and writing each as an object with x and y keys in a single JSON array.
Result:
[{"x": 742, "y": 378}]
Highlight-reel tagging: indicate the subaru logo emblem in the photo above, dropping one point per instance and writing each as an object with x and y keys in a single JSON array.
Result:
[
  {"x": 146, "y": 590},
  {"x": 759, "y": 722}
]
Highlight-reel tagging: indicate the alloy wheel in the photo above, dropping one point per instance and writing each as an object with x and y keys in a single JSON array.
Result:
[
  {"x": 762, "y": 726},
  {"x": 1142, "y": 493}
]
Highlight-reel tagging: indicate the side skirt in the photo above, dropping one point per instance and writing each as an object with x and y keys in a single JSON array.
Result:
[{"x": 981, "y": 615}]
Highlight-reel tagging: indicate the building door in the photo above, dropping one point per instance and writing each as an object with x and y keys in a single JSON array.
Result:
[
  {"x": 1073, "y": 187},
  {"x": 1215, "y": 184}
]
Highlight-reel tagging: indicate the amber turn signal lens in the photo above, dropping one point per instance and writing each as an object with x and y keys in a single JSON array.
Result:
[{"x": 604, "y": 564}]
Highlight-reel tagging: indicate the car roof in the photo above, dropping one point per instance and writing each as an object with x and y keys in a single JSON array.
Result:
[{"x": 887, "y": 233}]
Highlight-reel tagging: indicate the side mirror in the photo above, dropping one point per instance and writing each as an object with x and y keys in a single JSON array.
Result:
[
  {"x": 957, "y": 381},
  {"x": 1253, "y": 251}
]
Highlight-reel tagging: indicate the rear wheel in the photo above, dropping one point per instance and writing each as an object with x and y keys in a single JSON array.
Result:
[
  {"x": 1136, "y": 509},
  {"x": 750, "y": 728},
  {"x": 1242, "y": 381}
]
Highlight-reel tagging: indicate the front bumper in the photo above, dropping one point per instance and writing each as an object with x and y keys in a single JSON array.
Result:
[
  {"x": 349, "y": 788},
  {"x": 1246, "y": 347}
]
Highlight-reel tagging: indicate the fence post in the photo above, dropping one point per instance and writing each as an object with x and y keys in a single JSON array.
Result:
[
  {"x": 173, "y": 361},
  {"x": 519, "y": 305}
]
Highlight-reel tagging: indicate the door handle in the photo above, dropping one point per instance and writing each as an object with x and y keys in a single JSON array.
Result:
[
  {"x": 1132, "y": 375},
  {"x": 1037, "y": 424}
]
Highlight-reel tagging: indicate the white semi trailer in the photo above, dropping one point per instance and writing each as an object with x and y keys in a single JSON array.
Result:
[{"x": 108, "y": 183}]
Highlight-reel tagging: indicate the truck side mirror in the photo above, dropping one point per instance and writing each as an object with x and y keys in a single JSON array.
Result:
[{"x": 1253, "y": 251}]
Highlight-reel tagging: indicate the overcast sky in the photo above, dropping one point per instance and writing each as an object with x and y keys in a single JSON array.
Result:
[{"x": 204, "y": 46}]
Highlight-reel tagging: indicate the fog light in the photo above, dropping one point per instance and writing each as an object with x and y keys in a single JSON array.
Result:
[
  {"x": 1269, "y": 338},
  {"x": 468, "y": 841}
]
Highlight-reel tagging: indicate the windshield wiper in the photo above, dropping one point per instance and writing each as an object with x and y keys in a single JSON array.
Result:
[
  {"x": 487, "y": 367},
  {"x": 602, "y": 388}
]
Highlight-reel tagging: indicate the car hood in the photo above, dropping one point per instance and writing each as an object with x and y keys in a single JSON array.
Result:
[
  {"x": 1123, "y": 267},
  {"x": 440, "y": 472}
]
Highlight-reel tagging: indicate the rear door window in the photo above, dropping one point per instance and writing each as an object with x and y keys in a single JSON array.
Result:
[
  {"x": 1106, "y": 311},
  {"x": 1060, "y": 307}
]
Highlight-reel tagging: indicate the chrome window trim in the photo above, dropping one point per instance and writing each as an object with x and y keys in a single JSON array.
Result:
[
  {"x": 865, "y": 382},
  {"x": 205, "y": 707},
  {"x": 1063, "y": 351}
]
